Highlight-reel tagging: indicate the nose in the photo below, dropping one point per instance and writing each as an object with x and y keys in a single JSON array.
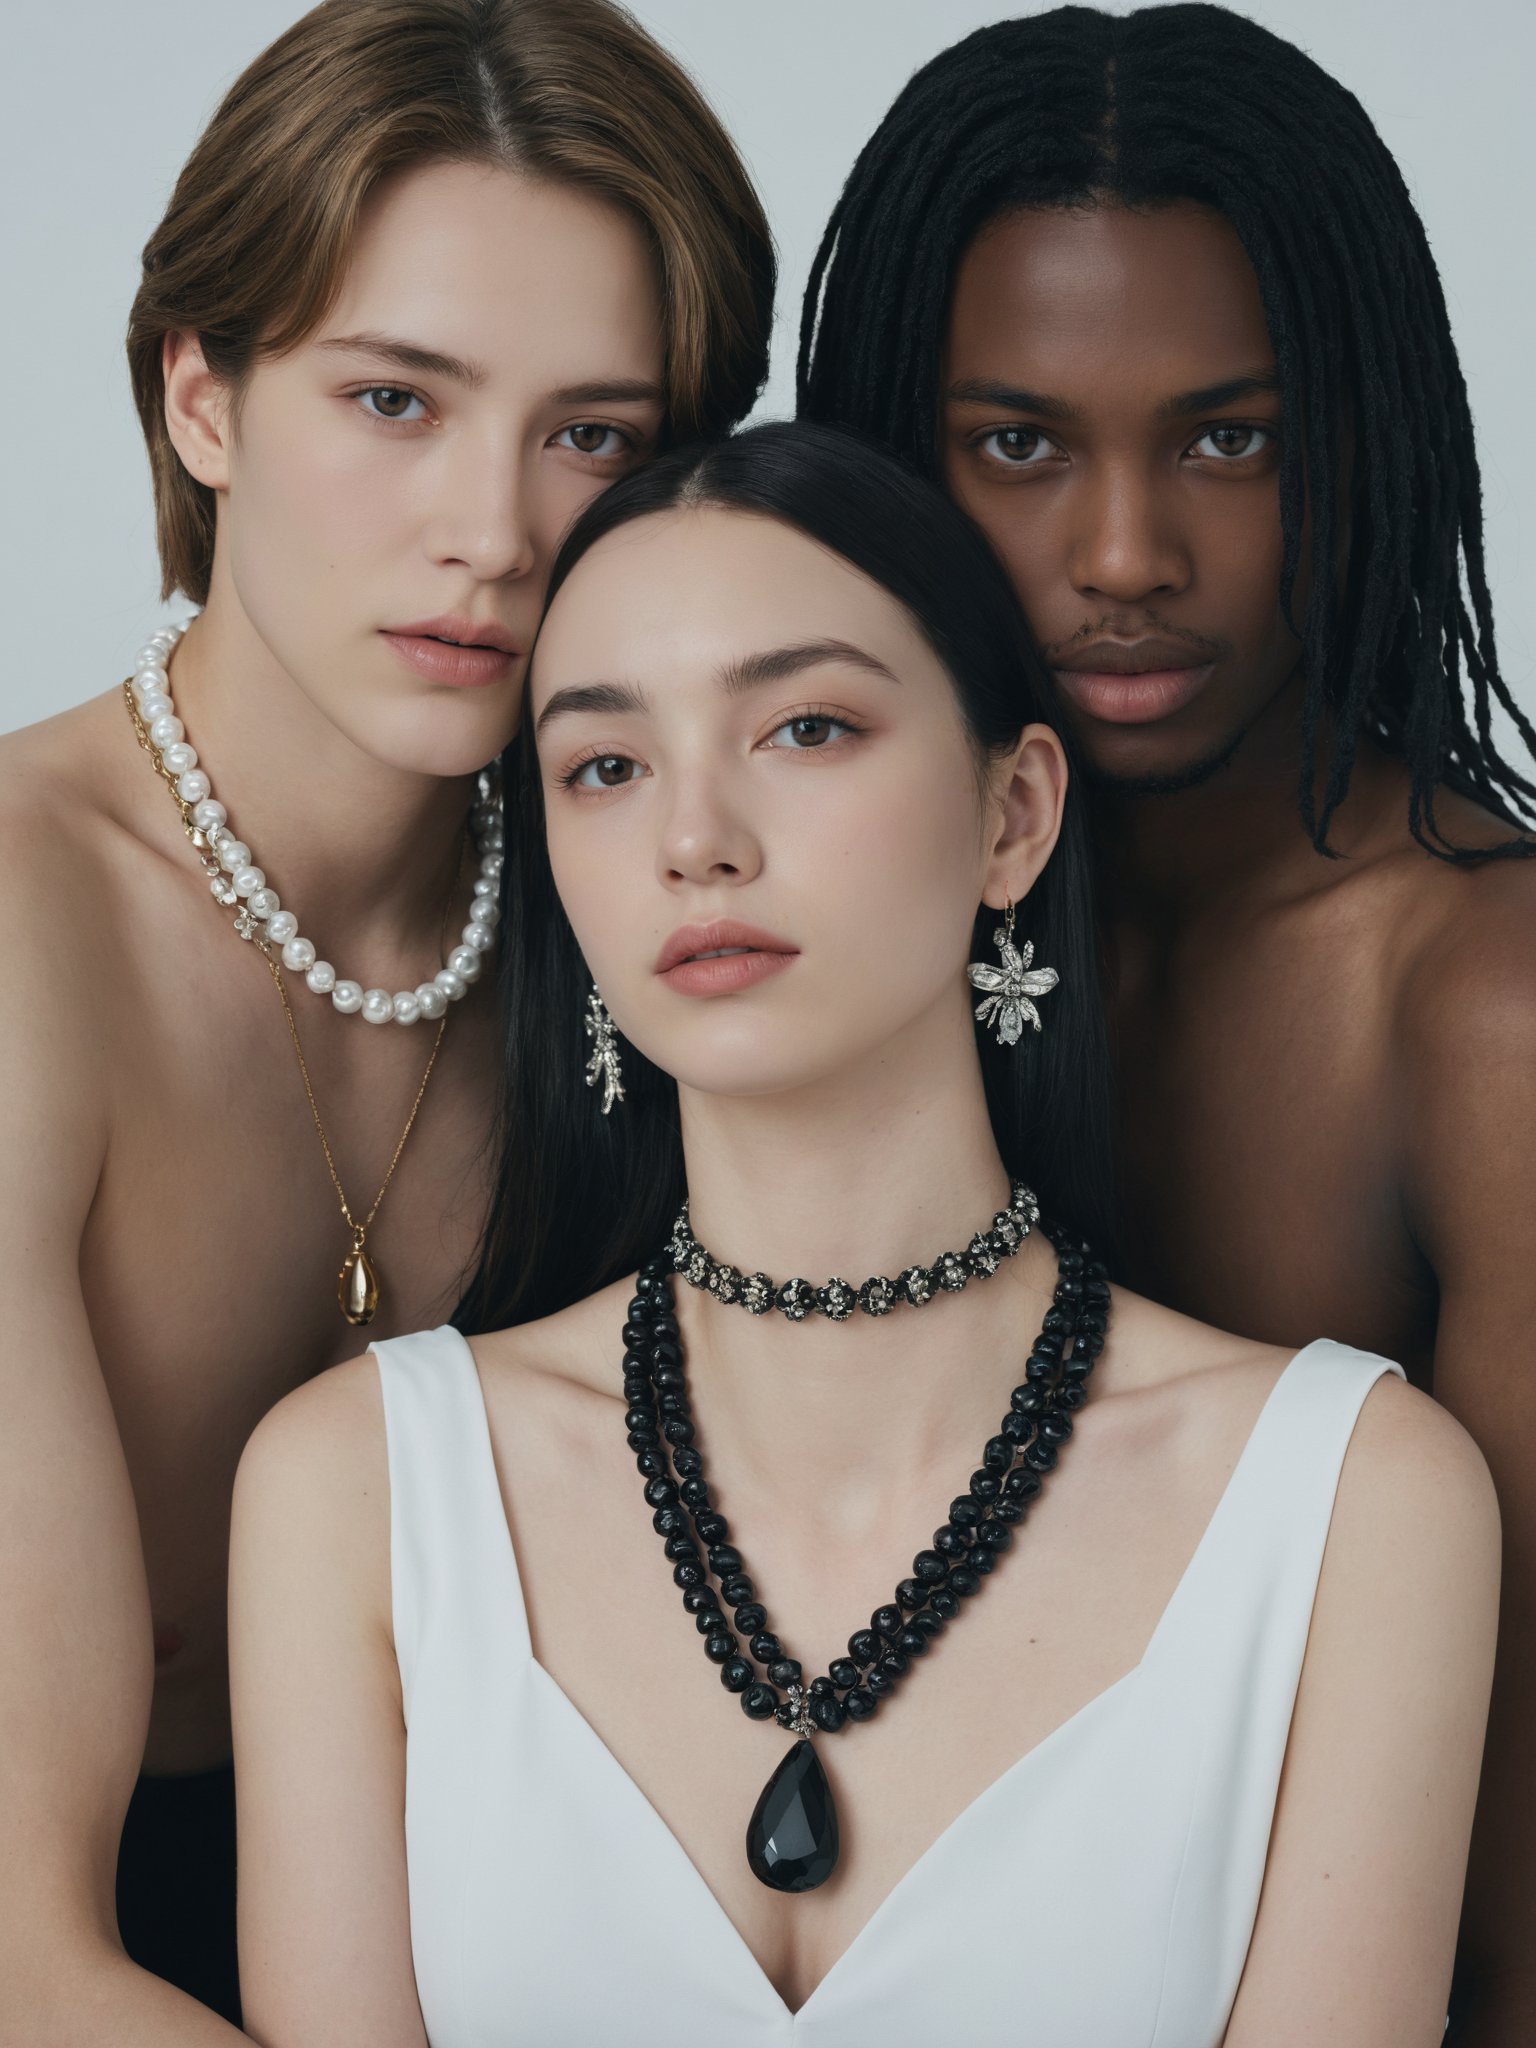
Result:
[
  {"x": 705, "y": 838},
  {"x": 482, "y": 516},
  {"x": 1128, "y": 547}
]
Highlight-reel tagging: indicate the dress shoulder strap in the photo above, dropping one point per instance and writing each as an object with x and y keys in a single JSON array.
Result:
[{"x": 450, "y": 1548}]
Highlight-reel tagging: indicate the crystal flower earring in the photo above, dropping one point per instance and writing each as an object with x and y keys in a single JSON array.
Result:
[
  {"x": 1006, "y": 1002},
  {"x": 604, "y": 1064}
]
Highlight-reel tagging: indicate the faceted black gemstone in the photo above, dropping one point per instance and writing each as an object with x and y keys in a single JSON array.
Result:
[
  {"x": 759, "y": 1701},
  {"x": 735, "y": 1674},
  {"x": 877, "y": 1297},
  {"x": 911, "y": 1593},
  {"x": 912, "y": 1642},
  {"x": 750, "y": 1617},
  {"x": 765, "y": 1647},
  {"x": 669, "y": 1521},
  {"x": 964, "y": 1581},
  {"x": 796, "y": 1298},
  {"x": 929, "y": 1567},
  {"x": 785, "y": 1672},
  {"x": 689, "y": 1573},
  {"x": 963, "y": 1512},
  {"x": 886, "y": 1621},
  {"x": 843, "y": 1672},
  {"x": 880, "y": 1683},
  {"x": 828, "y": 1712},
  {"x": 1040, "y": 1456},
  {"x": 660, "y": 1493},
  {"x": 945, "y": 1602},
  {"x": 860, "y": 1703},
  {"x": 998, "y": 1454},
  {"x": 792, "y": 1840},
  {"x": 712, "y": 1528},
  {"x": 736, "y": 1586},
  {"x": 718, "y": 1645},
  {"x": 836, "y": 1300},
  {"x": 863, "y": 1646},
  {"x": 916, "y": 1285}
]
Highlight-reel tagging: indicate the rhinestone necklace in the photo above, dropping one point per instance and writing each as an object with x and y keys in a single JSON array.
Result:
[
  {"x": 792, "y": 1837},
  {"x": 239, "y": 885},
  {"x": 797, "y": 1299}
]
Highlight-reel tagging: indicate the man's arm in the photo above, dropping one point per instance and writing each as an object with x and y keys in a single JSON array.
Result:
[
  {"x": 77, "y": 1668},
  {"x": 1467, "y": 1046}
]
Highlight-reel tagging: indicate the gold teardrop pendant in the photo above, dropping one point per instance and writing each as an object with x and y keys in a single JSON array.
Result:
[{"x": 357, "y": 1289}]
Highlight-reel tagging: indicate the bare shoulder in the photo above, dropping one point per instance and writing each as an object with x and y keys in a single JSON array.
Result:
[
  {"x": 560, "y": 1373},
  {"x": 1415, "y": 1487}
]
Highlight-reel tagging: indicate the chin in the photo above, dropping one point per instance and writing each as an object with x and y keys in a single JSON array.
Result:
[
  {"x": 1154, "y": 764},
  {"x": 428, "y": 736}
]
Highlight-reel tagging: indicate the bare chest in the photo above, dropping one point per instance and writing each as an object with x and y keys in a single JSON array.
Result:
[{"x": 1259, "y": 1126}]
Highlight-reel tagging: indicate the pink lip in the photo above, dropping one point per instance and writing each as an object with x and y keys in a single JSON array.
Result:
[
  {"x": 761, "y": 955},
  {"x": 1137, "y": 699},
  {"x": 461, "y": 653}
]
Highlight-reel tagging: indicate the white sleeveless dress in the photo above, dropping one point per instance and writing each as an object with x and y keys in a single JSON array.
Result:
[{"x": 1100, "y": 1894}]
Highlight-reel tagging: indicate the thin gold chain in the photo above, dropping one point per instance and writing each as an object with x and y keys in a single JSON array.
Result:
[{"x": 359, "y": 1230}]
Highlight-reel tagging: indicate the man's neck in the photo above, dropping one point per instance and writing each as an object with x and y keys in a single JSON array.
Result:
[{"x": 353, "y": 845}]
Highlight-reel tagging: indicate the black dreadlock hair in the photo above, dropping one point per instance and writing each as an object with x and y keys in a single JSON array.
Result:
[{"x": 1076, "y": 107}]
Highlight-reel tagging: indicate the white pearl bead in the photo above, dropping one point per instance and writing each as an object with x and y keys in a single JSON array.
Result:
[
  {"x": 378, "y": 1006},
  {"x": 166, "y": 730},
  {"x": 193, "y": 786},
  {"x": 209, "y": 814},
  {"x": 484, "y": 910},
  {"x": 465, "y": 963},
  {"x": 407, "y": 1008},
  {"x": 452, "y": 985},
  {"x": 150, "y": 674},
  {"x": 298, "y": 954},
  {"x": 280, "y": 929},
  {"x": 155, "y": 704},
  {"x": 430, "y": 1000},
  {"x": 233, "y": 853},
  {"x": 263, "y": 902},
  {"x": 480, "y": 936},
  {"x": 322, "y": 978},
  {"x": 347, "y": 997},
  {"x": 485, "y": 885},
  {"x": 493, "y": 864},
  {"x": 178, "y": 757},
  {"x": 246, "y": 881}
]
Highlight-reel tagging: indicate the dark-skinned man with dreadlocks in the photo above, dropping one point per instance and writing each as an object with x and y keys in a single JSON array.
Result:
[{"x": 1150, "y": 295}]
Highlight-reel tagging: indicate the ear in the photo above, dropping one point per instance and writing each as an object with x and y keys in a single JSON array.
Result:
[
  {"x": 1031, "y": 788},
  {"x": 197, "y": 411}
]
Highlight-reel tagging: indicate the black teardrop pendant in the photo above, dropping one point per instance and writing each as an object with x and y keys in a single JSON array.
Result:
[{"x": 792, "y": 1842}]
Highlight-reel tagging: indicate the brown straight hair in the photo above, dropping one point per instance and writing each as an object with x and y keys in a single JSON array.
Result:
[{"x": 254, "y": 244}]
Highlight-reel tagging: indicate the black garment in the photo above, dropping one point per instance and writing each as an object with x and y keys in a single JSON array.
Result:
[{"x": 176, "y": 1885}]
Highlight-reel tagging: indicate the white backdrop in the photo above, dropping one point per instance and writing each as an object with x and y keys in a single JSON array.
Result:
[{"x": 101, "y": 100}]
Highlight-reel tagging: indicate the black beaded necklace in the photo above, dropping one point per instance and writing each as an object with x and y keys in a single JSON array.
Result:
[{"x": 792, "y": 1838}]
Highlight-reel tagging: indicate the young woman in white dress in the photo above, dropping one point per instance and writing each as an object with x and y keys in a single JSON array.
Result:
[{"x": 1195, "y": 1763}]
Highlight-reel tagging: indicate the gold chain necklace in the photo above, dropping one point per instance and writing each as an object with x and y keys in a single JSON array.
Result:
[{"x": 358, "y": 1285}]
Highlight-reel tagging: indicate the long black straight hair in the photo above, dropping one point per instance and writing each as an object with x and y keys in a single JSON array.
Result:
[
  {"x": 581, "y": 1198},
  {"x": 1078, "y": 106}
]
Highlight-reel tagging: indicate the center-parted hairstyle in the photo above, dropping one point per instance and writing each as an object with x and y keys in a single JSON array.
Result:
[
  {"x": 254, "y": 244},
  {"x": 1078, "y": 107},
  {"x": 584, "y": 1198}
]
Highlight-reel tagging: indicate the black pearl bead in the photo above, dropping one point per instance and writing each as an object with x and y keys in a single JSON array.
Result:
[
  {"x": 964, "y": 1511},
  {"x": 708, "y": 1618},
  {"x": 759, "y": 1702},
  {"x": 688, "y": 1462},
  {"x": 735, "y": 1674},
  {"x": 750, "y": 1616},
  {"x": 1040, "y": 1456},
  {"x": 1072, "y": 1395},
  {"x": 650, "y": 1460},
  {"x": 688, "y": 1573},
  {"x": 674, "y": 1403},
  {"x": 765, "y": 1647},
  {"x": 695, "y": 1494},
  {"x": 638, "y": 1420},
  {"x": 666, "y": 1355},
  {"x": 880, "y": 1684},
  {"x": 911, "y": 1593},
  {"x": 1007, "y": 1511},
  {"x": 929, "y": 1567},
  {"x": 860, "y": 1704},
  {"x": 718, "y": 1645},
  {"x": 964, "y": 1581},
  {"x": 682, "y": 1550},
  {"x": 1055, "y": 1427},
  {"x": 843, "y": 1672},
  {"x": 678, "y": 1431},
  {"x": 997, "y": 1455},
  {"x": 827, "y": 1712},
  {"x": 912, "y": 1642},
  {"x": 995, "y": 1535},
  {"x": 736, "y": 1586},
  {"x": 944, "y": 1601},
  {"x": 785, "y": 1672},
  {"x": 985, "y": 1486},
  {"x": 1022, "y": 1485},
  {"x": 981, "y": 1559},
  {"x": 1026, "y": 1400},
  {"x": 724, "y": 1559},
  {"x": 863, "y": 1646},
  {"x": 895, "y": 1661},
  {"x": 660, "y": 1493},
  {"x": 886, "y": 1621},
  {"x": 712, "y": 1528},
  {"x": 928, "y": 1623},
  {"x": 951, "y": 1541},
  {"x": 669, "y": 1521}
]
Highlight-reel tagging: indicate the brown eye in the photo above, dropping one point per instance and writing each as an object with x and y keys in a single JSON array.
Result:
[
  {"x": 807, "y": 731},
  {"x": 388, "y": 401},
  {"x": 811, "y": 732},
  {"x": 1234, "y": 441},
  {"x": 604, "y": 771},
  {"x": 589, "y": 438}
]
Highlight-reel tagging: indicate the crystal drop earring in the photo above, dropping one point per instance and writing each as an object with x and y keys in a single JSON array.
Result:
[
  {"x": 604, "y": 1065},
  {"x": 1006, "y": 1002}
]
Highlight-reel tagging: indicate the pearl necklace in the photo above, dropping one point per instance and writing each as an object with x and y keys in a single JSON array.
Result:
[{"x": 240, "y": 885}]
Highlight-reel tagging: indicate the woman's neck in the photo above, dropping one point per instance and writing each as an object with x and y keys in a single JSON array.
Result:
[
  {"x": 865, "y": 1175},
  {"x": 362, "y": 851}
]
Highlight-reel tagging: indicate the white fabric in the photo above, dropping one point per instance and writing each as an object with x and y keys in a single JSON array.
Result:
[{"x": 1100, "y": 1894}]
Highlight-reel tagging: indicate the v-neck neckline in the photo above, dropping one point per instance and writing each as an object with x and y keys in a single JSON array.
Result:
[{"x": 995, "y": 1789}]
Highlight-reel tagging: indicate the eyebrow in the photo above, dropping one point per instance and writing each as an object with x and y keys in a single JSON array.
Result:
[
  {"x": 751, "y": 672},
  {"x": 1016, "y": 398},
  {"x": 431, "y": 362}
]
